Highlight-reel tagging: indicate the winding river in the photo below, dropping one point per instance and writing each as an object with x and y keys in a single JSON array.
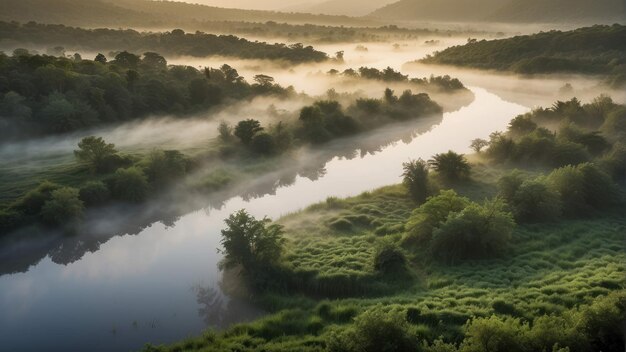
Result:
[{"x": 162, "y": 284}]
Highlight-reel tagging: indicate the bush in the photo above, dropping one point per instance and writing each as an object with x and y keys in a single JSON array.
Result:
[
  {"x": 615, "y": 124},
  {"x": 32, "y": 202},
  {"x": 10, "y": 220},
  {"x": 535, "y": 202},
  {"x": 94, "y": 193},
  {"x": 94, "y": 151},
  {"x": 376, "y": 331},
  {"x": 495, "y": 334},
  {"x": 435, "y": 211},
  {"x": 389, "y": 258},
  {"x": 63, "y": 208},
  {"x": 129, "y": 185},
  {"x": 166, "y": 166},
  {"x": 477, "y": 232},
  {"x": 263, "y": 143}
]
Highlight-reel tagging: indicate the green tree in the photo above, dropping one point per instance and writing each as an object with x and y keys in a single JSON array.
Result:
[
  {"x": 63, "y": 208},
  {"x": 250, "y": 243},
  {"x": 451, "y": 166},
  {"x": 246, "y": 129},
  {"x": 415, "y": 179},
  {"x": 479, "y": 144},
  {"x": 263, "y": 143},
  {"x": 534, "y": 201},
  {"x": 165, "y": 166},
  {"x": 101, "y": 58},
  {"x": 94, "y": 151},
  {"x": 495, "y": 334},
  {"x": 129, "y": 185},
  {"x": 94, "y": 193}
]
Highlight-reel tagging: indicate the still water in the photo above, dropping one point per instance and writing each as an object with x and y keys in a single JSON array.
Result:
[{"x": 162, "y": 284}]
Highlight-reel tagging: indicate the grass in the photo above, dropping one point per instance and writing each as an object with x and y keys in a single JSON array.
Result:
[{"x": 548, "y": 269}]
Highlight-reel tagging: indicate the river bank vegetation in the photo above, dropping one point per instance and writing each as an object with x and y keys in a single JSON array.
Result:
[
  {"x": 101, "y": 175},
  {"x": 476, "y": 253},
  {"x": 597, "y": 50}
]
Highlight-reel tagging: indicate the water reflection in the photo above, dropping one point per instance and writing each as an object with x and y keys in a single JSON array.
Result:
[{"x": 137, "y": 288}]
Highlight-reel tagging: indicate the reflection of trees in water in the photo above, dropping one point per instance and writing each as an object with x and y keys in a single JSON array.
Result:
[
  {"x": 102, "y": 224},
  {"x": 220, "y": 311}
]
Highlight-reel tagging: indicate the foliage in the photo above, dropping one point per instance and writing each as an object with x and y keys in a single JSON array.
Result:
[
  {"x": 450, "y": 166},
  {"x": 130, "y": 185},
  {"x": 246, "y": 129},
  {"x": 95, "y": 151},
  {"x": 63, "y": 208},
  {"x": 476, "y": 232},
  {"x": 251, "y": 243},
  {"x": 389, "y": 258},
  {"x": 592, "y": 50},
  {"x": 530, "y": 200},
  {"x": 376, "y": 330},
  {"x": 415, "y": 178},
  {"x": 165, "y": 166},
  {"x": 94, "y": 193}
]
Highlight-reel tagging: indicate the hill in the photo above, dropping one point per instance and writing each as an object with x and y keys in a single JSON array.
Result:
[
  {"x": 590, "y": 50},
  {"x": 341, "y": 7},
  {"x": 523, "y": 11},
  {"x": 147, "y": 14}
]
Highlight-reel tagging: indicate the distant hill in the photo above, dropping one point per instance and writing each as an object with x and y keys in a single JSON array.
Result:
[
  {"x": 147, "y": 14},
  {"x": 341, "y": 7},
  {"x": 590, "y": 50},
  {"x": 597, "y": 11},
  {"x": 523, "y": 11},
  {"x": 437, "y": 10}
]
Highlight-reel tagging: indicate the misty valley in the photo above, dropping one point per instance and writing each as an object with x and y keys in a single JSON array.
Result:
[{"x": 410, "y": 176}]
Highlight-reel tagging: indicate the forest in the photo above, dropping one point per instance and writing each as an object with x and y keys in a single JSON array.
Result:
[
  {"x": 172, "y": 44},
  {"x": 597, "y": 50},
  {"x": 44, "y": 94}
]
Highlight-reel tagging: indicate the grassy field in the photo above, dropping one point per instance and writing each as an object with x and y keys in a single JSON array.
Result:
[{"x": 548, "y": 269}]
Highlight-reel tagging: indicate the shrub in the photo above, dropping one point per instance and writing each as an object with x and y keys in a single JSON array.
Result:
[
  {"x": 435, "y": 211},
  {"x": 389, "y": 258},
  {"x": 32, "y": 202},
  {"x": 416, "y": 179},
  {"x": 476, "y": 232},
  {"x": 93, "y": 151},
  {"x": 495, "y": 334},
  {"x": 263, "y": 143},
  {"x": 600, "y": 191},
  {"x": 94, "y": 193},
  {"x": 535, "y": 202},
  {"x": 10, "y": 220},
  {"x": 63, "y": 208},
  {"x": 166, "y": 166},
  {"x": 615, "y": 163},
  {"x": 246, "y": 129},
  {"x": 129, "y": 185},
  {"x": 615, "y": 124},
  {"x": 569, "y": 182},
  {"x": 376, "y": 330},
  {"x": 509, "y": 184}
]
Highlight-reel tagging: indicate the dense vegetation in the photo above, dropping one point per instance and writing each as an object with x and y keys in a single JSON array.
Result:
[
  {"x": 108, "y": 176},
  {"x": 434, "y": 83},
  {"x": 41, "y": 94},
  {"x": 461, "y": 257},
  {"x": 522, "y": 11},
  {"x": 174, "y": 43},
  {"x": 590, "y": 50}
]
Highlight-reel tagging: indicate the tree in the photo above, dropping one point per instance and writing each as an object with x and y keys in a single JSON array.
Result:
[
  {"x": 250, "y": 243},
  {"x": 94, "y": 193},
  {"x": 129, "y": 185},
  {"x": 246, "y": 129},
  {"x": 495, "y": 334},
  {"x": 264, "y": 80},
  {"x": 225, "y": 131},
  {"x": 415, "y": 178},
  {"x": 94, "y": 151},
  {"x": 63, "y": 208},
  {"x": 127, "y": 60},
  {"x": 154, "y": 60},
  {"x": 478, "y": 144},
  {"x": 101, "y": 58},
  {"x": 451, "y": 166},
  {"x": 521, "y": 125}
]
